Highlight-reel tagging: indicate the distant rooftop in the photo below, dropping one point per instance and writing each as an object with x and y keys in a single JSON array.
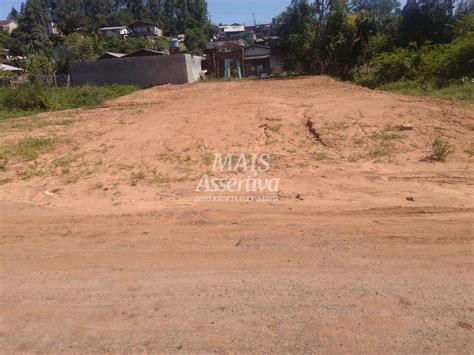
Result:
[
  {"x": 112, "y": 28},
  {"x": 232, "y": 28},
  {"x": 6, "y": 22}
]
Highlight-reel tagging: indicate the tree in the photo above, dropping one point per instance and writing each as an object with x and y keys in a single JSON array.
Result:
[
  {"x": 3, "y": 39},
  {"x": 382, "y": 7},
  {"x": 14, "y": 15},
  {"x": 426, "y": 20},
  {"x": 29, "y": 37},
  {"x": 248, "y": 38},
  {"x": 74, "y": 48},
  {"x": 196, "y": 40},
  {"x": 296, "y": 32},
  {"x": 465, "y": 7},
  {"x": 69, "y": 15},
  {"x": 337, "y": 39}
]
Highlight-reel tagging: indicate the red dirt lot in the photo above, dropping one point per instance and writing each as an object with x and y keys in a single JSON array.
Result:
[{"x": 104, "y": 247}]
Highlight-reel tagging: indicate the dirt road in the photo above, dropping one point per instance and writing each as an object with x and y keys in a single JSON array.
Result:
[{"x": 104, "y": 247}]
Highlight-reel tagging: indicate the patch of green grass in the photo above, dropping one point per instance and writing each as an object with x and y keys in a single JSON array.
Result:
[
  {"x": 28, "y": 99},
  {"x": 138, "y": 175},
  {"x": 27, "y": 148},
  {"x": 6, "y": 114},
  {"x": 457, "y": 92},
  {"x": 275, "y": 128},
  {"x": 62, "y": 163},
  {"x": 31, "y": 124},
  {"x": 160, "y": 180},
  {"x": 208, "y": 158},
  {"x": 320, "y": 156},
  {"x": 470, "y": 151},
  {"x": 440, "y": 149},
  {"x": 30, "y": 147},
  {"x": 72, "y": 179},
  {"x": 97, "y": 186},
  {"x": 353, "y": 158},
  {"x": 30, "y": 172},
  {"x": 186, "y": 159},
  {"x": 386, "y": 136},
  {"x": 380, "y": 150},
  {"x": 334, "y": 126}
]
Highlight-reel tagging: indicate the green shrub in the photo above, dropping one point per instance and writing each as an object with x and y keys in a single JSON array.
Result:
[
  {"x": 24, "y": 98},
  {"x": 34, "y": 98},
  {"x": 440, "y": 149},
  {"x": 429, "y": 67},
  {"x": 460, "y": 90}
]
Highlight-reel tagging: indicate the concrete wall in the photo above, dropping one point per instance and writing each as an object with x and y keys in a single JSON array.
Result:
[
  {"x": 141, "y": 71},
  {"x": 193, "y": 67}
]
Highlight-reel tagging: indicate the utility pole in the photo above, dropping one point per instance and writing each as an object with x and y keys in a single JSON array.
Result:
[{"x": 254, "y": 21}]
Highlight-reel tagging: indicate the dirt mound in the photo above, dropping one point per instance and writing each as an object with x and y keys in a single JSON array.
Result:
[{"x": 163, "y": 139}]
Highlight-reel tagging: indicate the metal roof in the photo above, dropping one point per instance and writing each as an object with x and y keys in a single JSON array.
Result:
[
  {"x": 232, "y": 28},
  {"x": 6, "y": 22},
  {"x": 113, "y": 28},
  {"x": 7, "y": 67}
]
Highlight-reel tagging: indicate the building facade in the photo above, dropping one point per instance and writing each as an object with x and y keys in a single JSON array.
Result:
[{"x": 8, "y": 25}]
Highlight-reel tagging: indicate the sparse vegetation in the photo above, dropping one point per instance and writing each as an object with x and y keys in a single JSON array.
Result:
[
  {"x": 97, "y": 186},
  {"x": 31, "y": 99},
  {"x": 440, "y": 149},
  {"x": 275, "y": 128},
  {"x": 319, "y": 156},
  {"x": 208, "y": 158},
  {"x": 160, "y": 180},
  {"x": 461, "y": 92},
  {"x": 381, "y": 149},
  {"x": 470, "y": 151},
  {"x": 30, "y": 171},
  {"x": 27, "y": 148}
]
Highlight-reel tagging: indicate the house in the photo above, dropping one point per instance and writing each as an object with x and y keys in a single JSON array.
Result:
[
  {"x": 53, "y": 31},
  {"x": 145, "y": 29},
  {"x": 9, "y": 68},
  {"x": 110, "y": 55},
  {"x": 259, "y": 60},
  {"x": 123, "y": 31},
  {"x": 145, "y": 53},
  {"x": 264, "y": 30},
  {"x": 139, "y": 53},
  {"x": 225, "y": 59},
  {"x": 7, "y": 58},
  {"x": 231, "y": 32},
  {"x": 8, "y": 25}
]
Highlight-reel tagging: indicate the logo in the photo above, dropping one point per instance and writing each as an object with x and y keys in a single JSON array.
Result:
[{"x": 246, "y": 183}]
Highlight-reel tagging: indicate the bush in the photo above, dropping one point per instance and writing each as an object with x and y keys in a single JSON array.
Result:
[
  {"x": 39, "y": 98},
  {"x": 440, "y": 149},
  {"x": 429, "y": 67},
  {"x": 25, "y": 98},
  {"x": 85, "y": 96},
  {"x": 460, "y": 90}
]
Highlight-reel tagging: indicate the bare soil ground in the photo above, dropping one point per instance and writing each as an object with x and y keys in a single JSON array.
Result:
[{"x": 104, "y": 248}]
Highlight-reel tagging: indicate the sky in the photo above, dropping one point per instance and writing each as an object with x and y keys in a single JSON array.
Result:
[{"x": 225, "y": 11}]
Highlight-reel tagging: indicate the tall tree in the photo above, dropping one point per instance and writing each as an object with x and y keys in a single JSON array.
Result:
[
  {"x": 30, "y": 37},
  {"x": 426, "y": 20},
  {"x": 296, "y": 31},
  {"x": 13, "y": 15}
]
